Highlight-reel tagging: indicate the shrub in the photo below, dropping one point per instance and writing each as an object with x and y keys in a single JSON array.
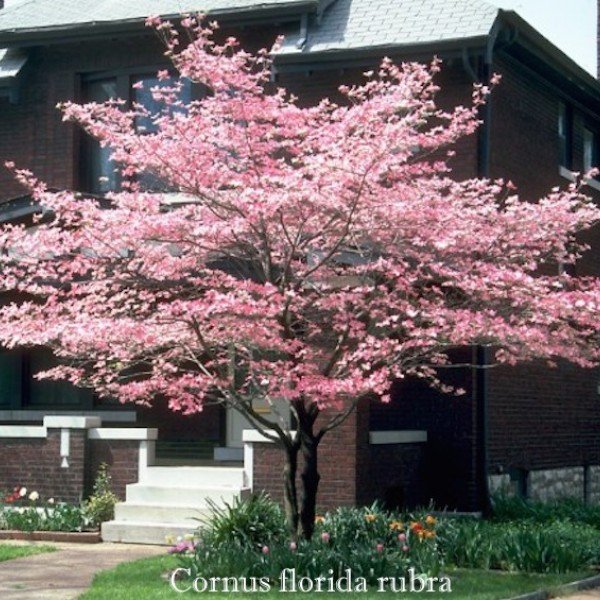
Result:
[
  {"x": 246, "y": 523},
  {"x": 100, "y": 506},
  {"x": 507, "y": 508},
  {"x": 520, "y": 546}
]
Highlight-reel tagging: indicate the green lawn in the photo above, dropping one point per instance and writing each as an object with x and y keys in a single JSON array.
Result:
[
  {"x": 146, "y": 579},
  {"x": 10, "y": 551}
]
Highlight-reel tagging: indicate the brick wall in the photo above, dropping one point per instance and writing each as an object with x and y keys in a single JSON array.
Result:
[
  {"x": 543, "y": 418},
  {"x": 122, "y": 458},
  {"x": 36, "y": 464},
  {"x": 341, "y": 464}
]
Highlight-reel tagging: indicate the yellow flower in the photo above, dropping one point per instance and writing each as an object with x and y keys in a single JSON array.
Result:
[
  {"x": 319, "y": 519},
  {"x": 430, "y": 520},
  {"x": 370, "y": 518},
  {"x": 396, "y": 525},
  {"x": 169, "y": 539}
]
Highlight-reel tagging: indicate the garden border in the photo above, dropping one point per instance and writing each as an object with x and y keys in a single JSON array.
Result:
[
  {"x": 77, "y": 537},
  {"x": 567, "y": 588}
]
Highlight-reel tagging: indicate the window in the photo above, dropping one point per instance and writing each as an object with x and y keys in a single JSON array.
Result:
[
  {"x": 99, "y": 174},
  {"x": 565, "y": 135},
  {"x": 19, "y": 388},
  {"x": 590, "y": 150}
]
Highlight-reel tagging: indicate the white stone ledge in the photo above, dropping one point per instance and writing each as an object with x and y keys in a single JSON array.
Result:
[
  {"x": 377, "y": 438},
  {"x": 71, "y": 422},
  {"x": 593, "y": 183},
  {"x": 114, "y": 416},
  {"x": 253, "y": 436},
  {"x": 22, "y": 431},
  {"x": 122, "y": 433},
  {"x": 567, "y": 174}
]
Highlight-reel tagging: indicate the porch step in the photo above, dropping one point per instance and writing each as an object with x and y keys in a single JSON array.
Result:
[
  {"x": 144, "y": 532},
  {"x": 171, "y": 501},
  {"x": 180, "y": 496},
  {"x": 154, "y": 513},
  {"x": 194, "y": 476}
]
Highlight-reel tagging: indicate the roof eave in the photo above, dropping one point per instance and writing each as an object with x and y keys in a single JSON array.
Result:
[
  {"x": 325, "y": 58},
  {"x": 535, "y": 43},
  {"x": 240, "y": 16}
]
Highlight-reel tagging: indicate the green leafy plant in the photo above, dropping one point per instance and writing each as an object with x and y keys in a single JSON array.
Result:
[
  {"x": 513, "y": 508},
  {"x": 100, "y": 506},
  {"x": 247, "y": 523}
]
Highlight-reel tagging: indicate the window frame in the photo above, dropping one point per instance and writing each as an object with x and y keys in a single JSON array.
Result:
[{"x": 124, "y": 79}]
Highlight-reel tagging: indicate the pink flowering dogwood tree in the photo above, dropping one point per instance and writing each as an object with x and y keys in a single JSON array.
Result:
[{"x": 312, "y": 255}]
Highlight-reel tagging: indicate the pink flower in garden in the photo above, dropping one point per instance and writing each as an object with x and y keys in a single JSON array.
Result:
[
  {"x": 379, "y": 548},
  {"x": 293, "y": 546},
  {"x": 325, "y": 537},
  {"x": 404, "y": 548},
  {"x": 182, "y": 547},
  {"x": 265, "y": 549},
  {"x": 402, "y": 537}
]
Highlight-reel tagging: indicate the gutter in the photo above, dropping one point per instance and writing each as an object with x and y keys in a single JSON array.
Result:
[{"x": 360, "y": 57}]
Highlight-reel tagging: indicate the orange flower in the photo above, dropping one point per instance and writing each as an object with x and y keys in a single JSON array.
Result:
[
  {"x": 430, "y": 520},
  {"x": 428, "y": 534},
  {"x": 370, "y": 518},
  {"x": 416, "y": 527},
  {"x": 319, "y": 519},
  {"x": 396, "y": 525}
]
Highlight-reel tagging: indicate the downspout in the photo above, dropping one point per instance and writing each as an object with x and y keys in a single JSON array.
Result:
[{"x": 480, "y": 353}]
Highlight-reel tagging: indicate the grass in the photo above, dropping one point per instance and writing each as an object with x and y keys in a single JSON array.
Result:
[
  {"x": 10, "y": 551},
  {"x": 146, "y": 579}
]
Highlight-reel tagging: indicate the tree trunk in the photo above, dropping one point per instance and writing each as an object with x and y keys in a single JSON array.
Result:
[
  {"x": 290, "y": 492},
  {"x": 310, "y": 484}
]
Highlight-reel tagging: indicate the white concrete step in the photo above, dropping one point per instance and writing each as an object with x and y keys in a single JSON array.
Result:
[
  {"x": 194, "y": 476},
  {"x": 171, "y": 501},
  {"x": 140, "y": 532},
  {"x": 143, "y": 493},
  {"x": 189, "y": 515}
]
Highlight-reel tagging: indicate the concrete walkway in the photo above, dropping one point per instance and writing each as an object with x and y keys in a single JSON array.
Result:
[
  {"x": 66, "y": 573},
  {"x": 588, "y": 595}
]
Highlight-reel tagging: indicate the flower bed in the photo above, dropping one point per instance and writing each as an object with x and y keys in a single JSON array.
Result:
[
  {"x": 28, "y": 513},
  {"x": 26, "y": 516},
  {"x": 248, "y": 539},
  {"x": 83, "y": 537}
]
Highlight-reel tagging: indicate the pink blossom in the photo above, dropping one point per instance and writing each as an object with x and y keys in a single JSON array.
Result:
[
  {"x": 402, "y": 537},
  {"x": 325, "y": 537},
  {"x": 293, "y": 546},
  {"x": 379, "y": 548},
  {"x": 404, "y": 548},
  {"x": 265, "y": 550}
]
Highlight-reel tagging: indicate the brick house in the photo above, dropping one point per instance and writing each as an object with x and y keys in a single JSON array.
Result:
[{"x": 529, "y": 429}]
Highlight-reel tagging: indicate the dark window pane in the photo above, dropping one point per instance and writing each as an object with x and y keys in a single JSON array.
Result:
[
  {"x": 47, "y": 392},
  {"x": 145, "y": 97},
  {"x": 100, "y": 175},
  {"x": 10, "y": 379},
  {"x": 565, "y": 135}
]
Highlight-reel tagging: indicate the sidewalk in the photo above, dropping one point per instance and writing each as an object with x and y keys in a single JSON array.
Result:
[{"x": 66, "y": 573}]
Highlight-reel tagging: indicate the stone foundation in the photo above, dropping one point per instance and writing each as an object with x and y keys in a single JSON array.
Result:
[
  {"x": 556, "y": 484},
  {"x": 553, "y": 484}
]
